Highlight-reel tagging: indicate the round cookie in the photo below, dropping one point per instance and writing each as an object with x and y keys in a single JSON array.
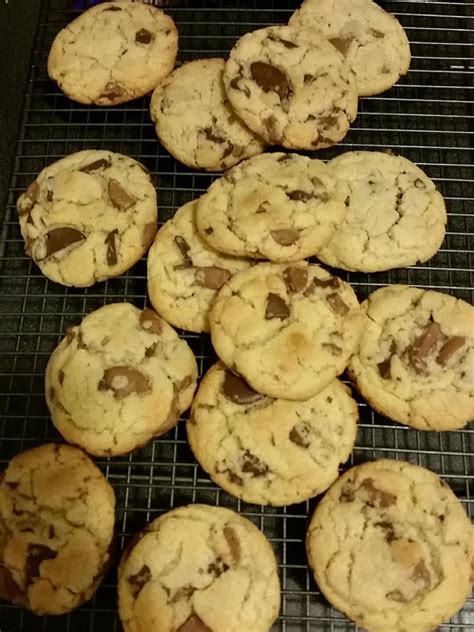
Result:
[
  {"x": 292, "y": 87},
  {"x": 391, "y": 546},
  {"x": 289, "y": 330},
  {"x": 88, "y": 217},
  {"x": 415, "y": 363},
  {"x": 282, "y": 207},
  {"x": 195, "y": 121},
  {"x": 120, "y": 378},
  {"x": 198, "y": 569},
  {"x": 56, "y": 529},
  {"x": 113, "y": 53},
  {"x": 184, "y": 273},
  {"x": 373, "y": 42},
  {"x": 395, "y": 215},
  {"x": 270, "y": 451}
]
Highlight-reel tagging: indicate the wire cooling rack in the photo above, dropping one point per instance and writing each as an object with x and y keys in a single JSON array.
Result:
[{"x": 427, "y": 117}]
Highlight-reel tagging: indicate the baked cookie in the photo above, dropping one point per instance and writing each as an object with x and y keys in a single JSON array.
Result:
[
  {"x": 120, "y": 378},
  {"x": 195, "y": 121},
  {"x": 270, "y": 451},
  {"x": 198, "y": 569},
  {"x": 282, "y": 207},
  {"x": 373, "y": 42},
  {"x": 415, "y": 363},
  {"x": 292, "y": 87},
  {"x": 88, "y": 217},
  {"x": 113, "y": 53},
  {"x": 391, "y": 546},
  {"x": 289, "y": 330},
  {"x": 395, "y": 216},
  {"x": 56, "y": 529},
  {"x": 184, "y": 273}
]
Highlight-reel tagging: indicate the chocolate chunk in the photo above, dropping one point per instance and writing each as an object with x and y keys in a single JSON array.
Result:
[
  {"x": 285, "y": 158},
  {"x": 118, "y": 196},
  {"x": 123, "y": 381},
  {"x": 285, "y": 236},
  {"x": 184, "y": 249},
  {"x": 150, "y": 351},
  {"x": 9, "y": 589},
  {"x": 308, "y": 79},
  {"x": 270, "y": 78},
  {"x": 376, "y": 34},
  {"x": 347, "y": 494},
  {"x": 377, "y": 497},
  {"x": 139, "y": 580},
  {"x": 143, "y": 36},
  {"x": 341, "y": 43},
  {"x": 386, "y": 366},
  {"x": 111, "y": 9},
  {"x": 112, "y": 91},
  {"x": 271, "y": 124},
  {"x": 327, "y": 122},
  {"x": 217, "y": 568},
  {"x": 295, "y": 279},
  {"x": 333, "y": 349},
  {"x": 150, "y": 321},
  {"x": 211, "y": 277},
  {"x": 449, "y": 348},
  {"x": 61, "y": 376},
  {"x": 300, "y": 196},
  {"x": 148, "y": 235},
  {"x": 299, "y": 435},
  {"x": 214, "y": 138},
  {"x": 238, "y": 391},
  {"x": 337, "y": 304},
  {"x": 234, "y": 84},
  {"x": 185, "y": 592},
  {"x": 421, "y": 347},
  {"x": 387, "y": 528},
  {"x": 102, "y": 163},
  {"x": 37, "y": 553},
  {"x": 111, "y": 247},
  {"x": 209, "y": 230},
  {"x": 59, "y": 239},
  {"x": 332, "y": 282},
  {"x": 251, "y": 464},
  {"x": 276, "y": 307},
  {"x": 234, "y": 478},
  {"x": 32, "y": 191},
  {"x": 286, "y": 43},
  {"x": 193, "y": 624},
  {"x": 49, "y": 196},
  {"x": 183, "y": 384},
  {"x": 233, "y": 542},
  {"x": 419, "y": 184}
]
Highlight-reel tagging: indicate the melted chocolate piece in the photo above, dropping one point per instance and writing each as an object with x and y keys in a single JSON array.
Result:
[
  {"x": 143, "y": 36},
  {"x": 193, "y": 624},
  {"x": 332, "y": 282},
  {"x": 377, "y": 34},
  {"x": 270, "y": 78},
  {"x": 120, "y": 199},
  {"x": 337, "y": 304},
  {"x": 59, "y": 239},
  {"x": 387, "y": 528},
  {"x": 347, "y": 494},
  {"x": 251, "y": 464},
  {"x": 286, "y": 43},
  {"x": 111, "y": 247},
  {"x": 341, "y": 43},
  {"x": 102, "y": 163},
  {"x": 233, "y": 542},
  {"x": 150, "y": 321},
  {"x": 299, "y": 435},
  {"x": 386, "y": 366},
  {"x": 9, "y": 589},
  {"x": 112, "y": 91},
  {"x": 138, "y": 581},
  {"x": 421, "y": 347},
  {"x": 212, "y": 277},
  {"x": 236, "y": 389},
  {"x": 123, "y": 381},
  {"x": 299, "y": 196},
  {"x": 184, "y": 249},
  {"x": 276, "y": 307},
  {"x": 449, "y": 348},
  {"x": 285, "y": 236},
  {"x": 37, "y": 554},
  {"x": 377, "y": 497},
  {"x": 271, "y": 124},
  {"x": 295, "y": 279}
]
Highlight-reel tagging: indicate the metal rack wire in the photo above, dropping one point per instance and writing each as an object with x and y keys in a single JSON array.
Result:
[{"x": 427, "y": 117}]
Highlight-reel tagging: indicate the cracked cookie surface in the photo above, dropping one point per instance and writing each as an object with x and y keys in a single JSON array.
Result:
[
  {"x": 199, "y": 569},
  {"x": 288, "y": 329},
  {"x": 195, "y": 121},
  {"x": 113, "y": 53},
  {"x": 395, "y": 215},
  {"x": 120, "y": 378},
  {"x": 391, "y": 546},
  {"x": 282, "y": 207},
  {"x": 270, "y": 451},
  {"x": 415, "y": 363},
  {"x": 292, "y": 87},
  {"x": 56, "y": 529},
  {"x": 184, "y": 273},
  {"x": 373, "y": 41},
  {"x": 88, "y": 217}
]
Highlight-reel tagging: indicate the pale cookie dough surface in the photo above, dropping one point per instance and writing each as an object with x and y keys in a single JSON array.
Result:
[
  {"x": 395, "y": 215},
  {"x": 282, "y": 207},
  {"x": 373, "y": 42},
  {"x": 56, "y": 529},
  {"x": 184, "y": 273},
  {"x": 288, "y": 329},
  {"x": 415, "y": 363},
  {"x": 391, "y": 546},
  {"x": 120, "y": 378},
  {"x": 195, "y": 121},
  {"x": 292, "y": 87},
  {"x": 199, "y": 569},
  {"x": 88, "y": 217},
  {"x": 113, "y": 53},
  {"x": 270, "y": 451}
]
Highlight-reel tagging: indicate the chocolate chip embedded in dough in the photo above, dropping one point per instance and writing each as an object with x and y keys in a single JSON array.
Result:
[
  {"x": 270, "y": 78},
  {"x": 308, "y": 79},
  {"x": 110, "y": 242},
  {"x": 327, "y": 122},
  {"x": 299, "y": 196},
  {"x": 337, "y": 304},
  {"x": 285, "y": 236},
  {"x": 341, "y": 43},
  {"x": 271, "y": 124},
  {"x": 138, "y": 581},
  {"x": 276, "y": 307},
  {"x": 112, "y": 91},
  {"x": 59, "y": 239},
  {"x": 449, "y": 348},
  {"x": 295, "y": 278},
  {"x": 37, "y": 554},
  {"x": 377, "y": 34},
  {"x": 251, "y": 464},
  {"x": 377, "y": 497},
  {"x": 193, "y": 624},
  {"x": 124, "y": 381},
  {"x": 150, "y": 321},
  {"x": 332, "y": 282},
  {"x": 9, "y": 589},
  {"x": 279, "y": 40},
  {"x": 233, "y": 542},
  {"x": 183, "y": 384},
  {"x": 209, "y": 230},
  {"x": 143, "y": 36},
  {"x": 419, "y": 184},
  {"x": 236, "y": 389},
  {"x": 421, "y": 347},
  {"x": 148, "y": 234},
  {"x": 102, "y": 163},
  {"x": 388, "y": 530},
  {"x": 184, "y": 249},
  {"x": 385, "y": 366},
  {"x": 347, "y": 494},
  {"x": 120, "y": 199},
  {"x": 299, "y": 435},
  {"x": 211, "y": 277}
]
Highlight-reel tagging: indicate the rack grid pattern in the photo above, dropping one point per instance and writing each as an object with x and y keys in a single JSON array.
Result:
[{"x": 427, "y": 117}]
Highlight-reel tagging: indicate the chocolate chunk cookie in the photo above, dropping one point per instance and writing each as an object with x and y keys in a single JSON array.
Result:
[
  {"x": 56, "y": 529},
  {"x": 88, "y": 217},
  {"x": 288, "y": 329},
  {"x": 282, "y": 207},
  {"x": 373, "y": 42},
  {"x": 395, "y": 216},
  {"x": 184, "y": 273},
  {"x": 292, "y": 87},
  {"x": 120, "y": 378},
  {"x": 415, "y": 363},
  {"x": 392, "y": 547},
  {"x": 270, "y": 451},
  {"x": 199, "y": 569},
  {"x": 113, "y": 53},
  {"x": 195, "y": 121}
]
